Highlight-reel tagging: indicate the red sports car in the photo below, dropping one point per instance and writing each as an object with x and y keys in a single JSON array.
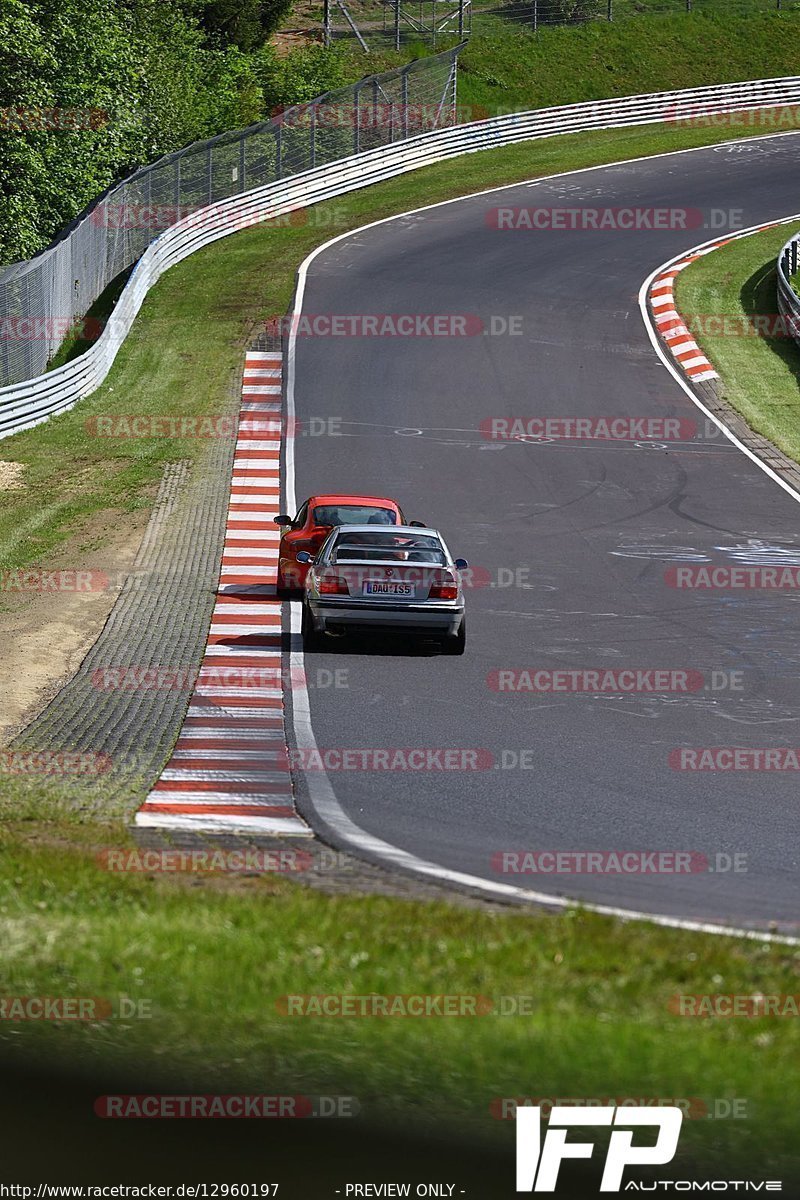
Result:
[{"x": 316, "y": 518}]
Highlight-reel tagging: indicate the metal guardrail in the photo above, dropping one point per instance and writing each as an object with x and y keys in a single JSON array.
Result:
[
  {"x": 788, "y": 299},
  {"x": 26, "y": 404},
  {"x": 42, "y": 298}
]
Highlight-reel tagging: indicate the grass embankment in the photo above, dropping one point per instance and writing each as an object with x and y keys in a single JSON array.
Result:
[
  {"x": 505, "y": 66},
  {"x": 212, "y": 960},
  {"x": 760, "y": 373}
]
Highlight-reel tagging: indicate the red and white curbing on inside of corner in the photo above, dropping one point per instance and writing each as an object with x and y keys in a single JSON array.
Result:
[
  {"x": 229, "y": 769},
  {"x": 670, "y": 324},
  {"x": 680, "y": 343}
]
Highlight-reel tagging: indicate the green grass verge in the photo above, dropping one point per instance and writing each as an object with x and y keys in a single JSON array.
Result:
[
  {"x": 212, "y": 961},
  {"x": 760, "y": 374},
  {"x": 213, "y": 957}
]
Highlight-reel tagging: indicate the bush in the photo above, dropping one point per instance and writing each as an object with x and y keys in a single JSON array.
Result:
[{"x": 145, "y": 66}]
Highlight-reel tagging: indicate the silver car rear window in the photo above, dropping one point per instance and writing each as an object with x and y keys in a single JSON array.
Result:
[{"x": 380, "y": 547}]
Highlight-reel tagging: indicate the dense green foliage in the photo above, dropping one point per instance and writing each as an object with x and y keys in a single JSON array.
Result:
[
  {"x": 144, "y": 77},
  {"x": 245, "y": 23}
]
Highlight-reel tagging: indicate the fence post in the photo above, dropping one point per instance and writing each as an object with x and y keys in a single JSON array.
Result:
[
  {"x": 535, "y": 16},
  {"x": 242, "y": 164},
  {"x": 312, "y": 137},
  {"x": 375, "y": 125},
  {"x": 150, "y": 206},
  {"x": 792, "y": 258},
  {"x": 397, "y": 24},
  {"x": 279, "y": 147},
  {"x": 611, "y": 10},
  {"x": 404, "y": 102},
  {"x": 454, "y": 73},
  {"x": 357, "y": 118}
]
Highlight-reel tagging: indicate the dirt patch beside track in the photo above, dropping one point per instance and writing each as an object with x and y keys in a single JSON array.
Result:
[{"x": 49, "y": 619}]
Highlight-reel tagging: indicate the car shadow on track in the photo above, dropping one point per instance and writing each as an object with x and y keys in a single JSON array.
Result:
[
  {"x": 377, "y": 645},
  {"x": 387, "y": 645}
]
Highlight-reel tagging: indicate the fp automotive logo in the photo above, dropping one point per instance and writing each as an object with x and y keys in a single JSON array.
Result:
[{"x": 538, "y": 1165}]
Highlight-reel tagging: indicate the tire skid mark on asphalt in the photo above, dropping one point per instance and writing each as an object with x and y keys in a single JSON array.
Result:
[{"x": 229, "y": 769}]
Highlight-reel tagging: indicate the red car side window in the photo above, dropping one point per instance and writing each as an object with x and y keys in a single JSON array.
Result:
[{"x": 300, "y": 519}]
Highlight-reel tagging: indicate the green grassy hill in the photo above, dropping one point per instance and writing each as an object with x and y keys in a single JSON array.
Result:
[{"x": 506, "y": 66}]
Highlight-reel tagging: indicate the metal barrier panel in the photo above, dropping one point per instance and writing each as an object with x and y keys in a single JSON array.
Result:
[{"x": 788, "y": 299}]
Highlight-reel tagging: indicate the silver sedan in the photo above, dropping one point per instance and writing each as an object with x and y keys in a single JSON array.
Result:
[{"x": 400, "y": 578}]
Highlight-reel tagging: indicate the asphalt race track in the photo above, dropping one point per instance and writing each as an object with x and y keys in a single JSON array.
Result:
[{"x": 584, "y": 529}]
